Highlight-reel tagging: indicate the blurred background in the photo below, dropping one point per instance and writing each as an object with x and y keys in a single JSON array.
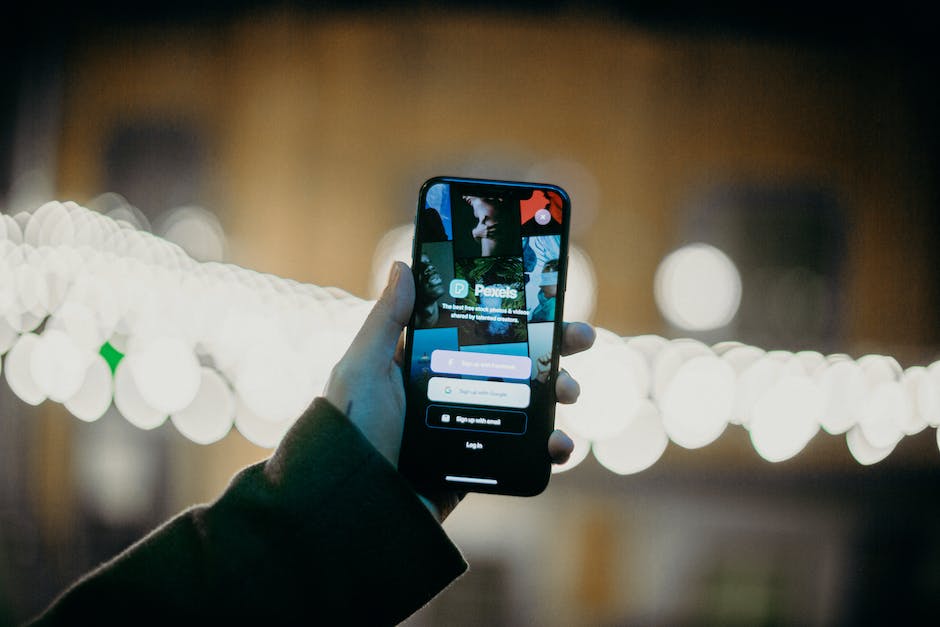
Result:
[{"x": 802, "y": 142}]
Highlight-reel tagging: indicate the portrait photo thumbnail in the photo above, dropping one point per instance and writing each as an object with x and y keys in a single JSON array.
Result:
[
  {"x": 485, "y": 226},
  {"x": 434, "y": 219},
  {"x": 434, "y": 271},
  {"x": 540, "y": 255}
]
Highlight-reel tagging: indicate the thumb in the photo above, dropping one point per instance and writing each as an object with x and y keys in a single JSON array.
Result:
[{"x": 380, "y": 332}]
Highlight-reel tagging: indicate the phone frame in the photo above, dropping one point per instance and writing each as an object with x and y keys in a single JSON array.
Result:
[{"x": 531, "y": 475}]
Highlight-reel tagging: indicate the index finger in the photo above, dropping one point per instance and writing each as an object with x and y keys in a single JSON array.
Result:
[{"x": 576, "y": 337}]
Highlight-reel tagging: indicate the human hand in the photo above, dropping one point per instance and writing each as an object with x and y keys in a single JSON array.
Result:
[
  {"x": 543, "y": 366},
  {"x": 367, "y": 382},
  {"x": 481, "y": 230}
]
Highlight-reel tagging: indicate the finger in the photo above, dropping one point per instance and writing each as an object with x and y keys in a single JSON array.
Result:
[
  {"x": 560, "y": 446},
  {"x": 380, "y": 332},
  {"x": 567, "y": 389},
  {"x": 576, "y": 337}
]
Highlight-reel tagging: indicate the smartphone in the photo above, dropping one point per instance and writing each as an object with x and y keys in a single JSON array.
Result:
[{"x": 481, "y": 349}]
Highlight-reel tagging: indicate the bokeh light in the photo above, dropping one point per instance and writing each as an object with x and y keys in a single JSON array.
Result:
[
  {"x": 698, "y": 288},
  {"x": 697, "y": 403},
  {"x": 880, "y": 416},
  {"x": 581, "y": 288},
  {"x": 210, "y": 415},
  {"x": 638, "y": 446},
  {"x": 166, "y": 373},
  {"x": 129, "y": 400},
  {"x": 18, "y": 370},
  {"x": 844, "y": 386},
  {"x": 196, "y": 230},
  {"x": 257, "y": 430},
  {"x": 582, "y": 446},
  {"x": 609, "y": 393},
  {"x": 863, "y": 451},
  {"x": 786, "y": 417},
  {"x": 94, "y": 396},
  {"x": 211, "y": 344},
  {"x": 58, "y": 365}
]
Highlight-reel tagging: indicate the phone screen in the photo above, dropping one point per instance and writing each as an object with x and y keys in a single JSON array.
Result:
[{"x": 481, "y": 351}]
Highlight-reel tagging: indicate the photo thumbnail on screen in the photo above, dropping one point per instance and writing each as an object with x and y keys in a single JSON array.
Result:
[
  {"x": 540, "y": 256},
  {"x": 434, "y": 221},
  {"x": 486, "y": 226},
  {"x": 426, "y": 341},
  {"x": 541, "y": 213},
  {"x": 434, "y": 273},
  {"x": 541, "y": 336}
]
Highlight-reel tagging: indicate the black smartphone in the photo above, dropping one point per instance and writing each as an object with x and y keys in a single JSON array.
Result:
[{"x": 481, "y": 350}]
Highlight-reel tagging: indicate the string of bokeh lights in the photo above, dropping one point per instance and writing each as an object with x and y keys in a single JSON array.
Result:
[{"x": 94, "y": 311}]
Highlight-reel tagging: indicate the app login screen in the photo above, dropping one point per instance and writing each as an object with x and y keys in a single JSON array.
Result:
[{"x": 487, "y": 271}]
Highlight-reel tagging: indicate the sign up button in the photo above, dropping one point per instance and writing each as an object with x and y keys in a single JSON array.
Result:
[
  {"x": 476, "y": 392},
  {"x": 475, "y": 419}
]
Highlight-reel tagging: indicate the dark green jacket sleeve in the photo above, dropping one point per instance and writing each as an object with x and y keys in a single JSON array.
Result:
[{"x": 325, "y": 532}]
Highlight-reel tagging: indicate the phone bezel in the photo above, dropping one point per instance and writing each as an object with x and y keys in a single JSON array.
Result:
[{"x": 534, "y": 480}]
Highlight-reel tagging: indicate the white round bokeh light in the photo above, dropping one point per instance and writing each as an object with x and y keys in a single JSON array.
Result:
[
  {"x": 698, "y": 288},
  {"x": 638, "y": 446},
  {"x": 209, "y": 417},
  {"x": 94, "y": 397},
  {"x": 697, "y": 403},
  {"x": 129, "y": 400},
  {"x": 18, "y": 370}
]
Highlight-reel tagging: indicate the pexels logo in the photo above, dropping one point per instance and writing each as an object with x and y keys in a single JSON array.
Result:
[
  {"x": 501, "y": 292},
  {"x": 459, "y": 288}
]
